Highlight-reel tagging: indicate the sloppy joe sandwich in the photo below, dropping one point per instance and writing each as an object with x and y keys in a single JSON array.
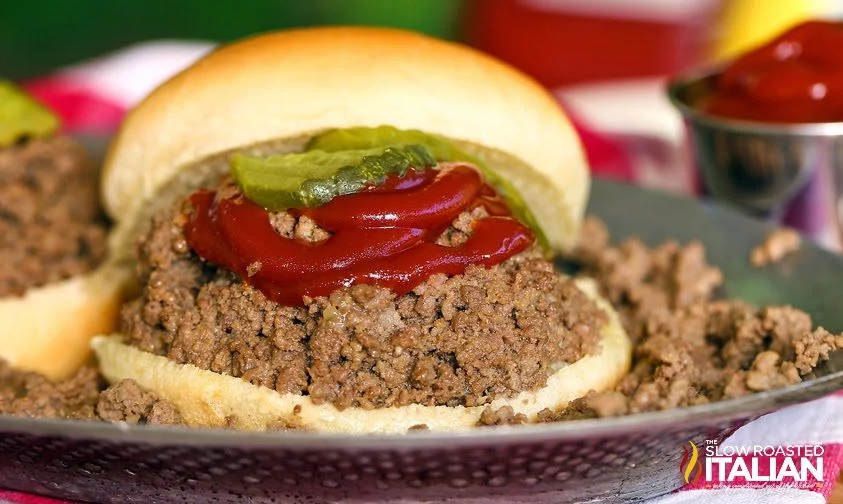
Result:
[
  {"x": 351, "y": 230},
  {"x": 54, "y": 296}
]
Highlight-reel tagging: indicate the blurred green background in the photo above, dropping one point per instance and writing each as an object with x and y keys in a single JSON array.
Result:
[{"x": 37, "y": 36}]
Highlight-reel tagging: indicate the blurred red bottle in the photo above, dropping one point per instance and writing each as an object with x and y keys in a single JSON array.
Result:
[{"x": 562, "y": 42}]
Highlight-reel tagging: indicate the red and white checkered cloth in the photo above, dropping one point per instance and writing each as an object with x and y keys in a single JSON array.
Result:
[{"x": 94, "y": 96}]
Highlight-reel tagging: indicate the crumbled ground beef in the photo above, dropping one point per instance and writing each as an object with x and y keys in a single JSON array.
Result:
[
  {"x": 775, "y": 247},
  {"x": 690, "y": 348},
  {"x": 463, "y": 340},
  {"x": 51, "y": 224},
  {"x": 610, "y": 403},
  {"x": 126, "y": 401},
  {"x": 80, "y": 397},
  {"x": 460, "y": 230},
  {"x": 301, "y": 228},
  {"x": 33, "y": 395},
  {"x": 502, "y": 416}
]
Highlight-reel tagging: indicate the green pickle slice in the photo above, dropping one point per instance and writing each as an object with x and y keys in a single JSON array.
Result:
[
  {"x": 315, "y": 177},
  {"x": 22, "y": 116},
  {"x": 367, "y": 138}
]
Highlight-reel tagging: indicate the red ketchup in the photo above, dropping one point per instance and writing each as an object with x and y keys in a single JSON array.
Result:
[
  {"x": 384, "y": 235},
  {"x": 796, "y": 78}
]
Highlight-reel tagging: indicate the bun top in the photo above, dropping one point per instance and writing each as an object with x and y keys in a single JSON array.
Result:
[{"x": 290, "y": 83}]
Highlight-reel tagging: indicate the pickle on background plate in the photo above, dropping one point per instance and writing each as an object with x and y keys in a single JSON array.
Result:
[{"x": 22, "y": 117}]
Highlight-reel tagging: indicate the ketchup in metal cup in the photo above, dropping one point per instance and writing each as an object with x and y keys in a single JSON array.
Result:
[
  {"x": 384, "y": 235},
  {"x": 795, "y": 78}
]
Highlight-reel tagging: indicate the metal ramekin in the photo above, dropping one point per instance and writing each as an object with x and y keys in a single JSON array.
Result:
[{"x": 756, "y": 166}]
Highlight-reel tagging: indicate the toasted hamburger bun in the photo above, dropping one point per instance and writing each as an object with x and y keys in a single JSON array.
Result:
[
  {"x": 49, "y": 329},
  {"x": 301, "y": 82},
  {"x": 208, "y": 399},
  {"x": 271, "y": 94}
]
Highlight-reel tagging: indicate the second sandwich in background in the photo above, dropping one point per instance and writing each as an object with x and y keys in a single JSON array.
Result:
[{"x": 56, "y": 288}]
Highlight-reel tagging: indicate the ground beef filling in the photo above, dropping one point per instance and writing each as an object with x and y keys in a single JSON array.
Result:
[
  {"x": 34, "y": 395},
  {"x": 689, "y": 347},
  {"x": 51, "y": 225},
  {"x": 80, "y": 397},
  {"x": 126, "y": 401},
  {"x": 464, "y": 340},
  {"x": 775, "y": 247}
]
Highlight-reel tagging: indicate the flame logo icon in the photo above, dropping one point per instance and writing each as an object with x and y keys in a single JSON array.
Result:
[{"x": 689, "y": 465}]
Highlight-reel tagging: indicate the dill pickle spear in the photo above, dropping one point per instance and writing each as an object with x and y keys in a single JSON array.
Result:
[
  {"x": 22, "y": 116},
  {"x": 315, "y": 177},
  {"x": 371, "y": 137}
]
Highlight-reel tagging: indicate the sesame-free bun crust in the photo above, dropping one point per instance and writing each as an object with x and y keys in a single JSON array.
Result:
[
  {"x": 208, "y": 399},
  {"x": 285, "y": 84},
  {"x": 48, "y": 329}
]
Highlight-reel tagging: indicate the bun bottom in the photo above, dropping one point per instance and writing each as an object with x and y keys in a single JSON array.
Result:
[
  {"x": 208, "y": 399},
  {"x": 48, "y": 330}
]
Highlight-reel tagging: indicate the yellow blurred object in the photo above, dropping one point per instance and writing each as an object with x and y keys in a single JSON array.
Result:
[{"x": 749, "y": 23}]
